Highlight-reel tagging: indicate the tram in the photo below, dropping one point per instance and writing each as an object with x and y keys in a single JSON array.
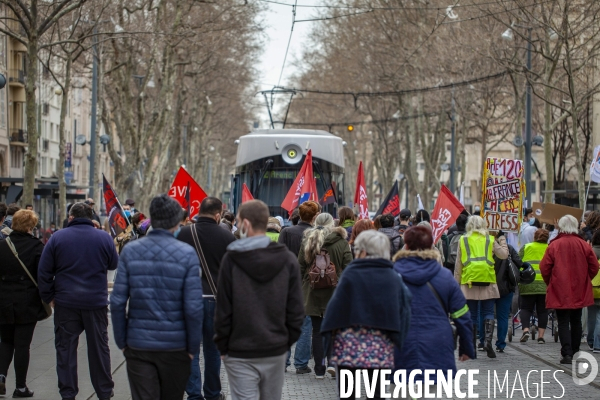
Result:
[{"x": 268, "y": 161}]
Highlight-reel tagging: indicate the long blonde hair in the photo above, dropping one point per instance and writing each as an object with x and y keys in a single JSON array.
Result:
[{"x": 315, "y": 237}]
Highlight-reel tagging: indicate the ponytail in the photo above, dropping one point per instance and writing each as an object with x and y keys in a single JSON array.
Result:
[{"x": 315, "y": 237}]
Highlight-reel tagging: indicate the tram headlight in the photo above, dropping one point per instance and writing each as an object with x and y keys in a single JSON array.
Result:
[{"x": 292, "y": 153}]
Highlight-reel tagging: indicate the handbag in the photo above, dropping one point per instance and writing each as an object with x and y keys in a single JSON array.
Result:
[
  {"x": 452, "y": 325},
  {"x": 47, "y": 308},
  {"x": 203, "y": 263}
]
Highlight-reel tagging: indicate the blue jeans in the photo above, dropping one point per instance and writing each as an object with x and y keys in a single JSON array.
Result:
[
  {"x": 593, "y": 325},
  {"x": 212, "y": 360},
  {"x": 503, "y": 305},
  {"x": 302, "y": 353}
]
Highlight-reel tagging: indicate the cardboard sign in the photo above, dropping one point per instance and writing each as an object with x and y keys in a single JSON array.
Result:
[
  {"x": 502, "y": 197},
  {"x": 547, "y": 213}
]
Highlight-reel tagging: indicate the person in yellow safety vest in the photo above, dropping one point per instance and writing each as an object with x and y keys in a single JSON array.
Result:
[
  {"x": 273, "y": 229},
  {"x": 474, "y": 271},
  {"x": 534, "y": 294},
  {"x": 593, "y": 336}
]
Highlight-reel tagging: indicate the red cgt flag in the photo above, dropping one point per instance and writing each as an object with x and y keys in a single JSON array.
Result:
[
  {"x": 446, "y": 211},
  {"x": 179, "y": 191},
  {"x": 304, "y": 187},
  {"x": 360, "y": 195},
  {"x": 246, "y": 194}
]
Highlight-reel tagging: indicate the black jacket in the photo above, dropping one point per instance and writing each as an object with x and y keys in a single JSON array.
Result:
[
  {"x": 214, "y": 241},
  {"x": 507, "y": 278},
  {"x": 292, "y": 236},
  {"x": 260, "y": 308},
  {"x": 20, "y": 301}
]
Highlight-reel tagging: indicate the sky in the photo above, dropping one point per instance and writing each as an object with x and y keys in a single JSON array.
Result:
[{"x": 277, "y": 21}]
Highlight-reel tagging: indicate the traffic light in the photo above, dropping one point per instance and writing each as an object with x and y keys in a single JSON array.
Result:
[{"x": 350, "y": 128}]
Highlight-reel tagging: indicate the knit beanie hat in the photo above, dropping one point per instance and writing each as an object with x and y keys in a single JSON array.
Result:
[{"x": 165, "y": 213}]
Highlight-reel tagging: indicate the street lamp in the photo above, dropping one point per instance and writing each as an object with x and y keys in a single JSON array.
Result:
[{"x": 508, "y": 35}]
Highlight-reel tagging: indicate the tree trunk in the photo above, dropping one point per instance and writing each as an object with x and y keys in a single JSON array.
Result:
[
  {"x": 62, "y": 183},
  {"x": 32, "y": 117},
  {"x": 548, "y": 197}
]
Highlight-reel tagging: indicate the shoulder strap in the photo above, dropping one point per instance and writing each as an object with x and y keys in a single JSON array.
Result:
[
  {"x": 203, "y": 262},
  {"x": 437, "y": 296},
  {"x": 14, "y": 251}
]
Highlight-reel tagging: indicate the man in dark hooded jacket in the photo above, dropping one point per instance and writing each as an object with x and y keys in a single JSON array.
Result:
[
  {"x": 387, "y": 228},
  {"x": 260, "y": 307}
]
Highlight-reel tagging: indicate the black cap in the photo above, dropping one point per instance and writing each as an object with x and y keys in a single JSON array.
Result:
[{"x": 405, "y": 213}]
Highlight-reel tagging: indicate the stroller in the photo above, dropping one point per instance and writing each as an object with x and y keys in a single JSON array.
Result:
[{"x": 552, "y": 327}]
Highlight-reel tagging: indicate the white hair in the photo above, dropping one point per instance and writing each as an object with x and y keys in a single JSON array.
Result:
[
  {"x": 375, "y": 244},
  {"x": 568, "y": 224},
  {"x": 476, "y": 224}
]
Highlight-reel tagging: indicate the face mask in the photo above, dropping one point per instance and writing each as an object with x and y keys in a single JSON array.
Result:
[
  {"x": 531, "y": 221},
  {"x": 477, "y": 210},
  {"x": 243, "y": 232},
  {"x": 127, "y": 213},
  {"x": 176, "y": 233}
]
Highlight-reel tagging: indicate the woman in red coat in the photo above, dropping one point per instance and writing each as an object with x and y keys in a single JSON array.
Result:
[{"x": 568, "y": 268}]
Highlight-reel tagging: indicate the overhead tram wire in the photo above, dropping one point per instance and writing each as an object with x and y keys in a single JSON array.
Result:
[
  {"x": 394, "y": 93},
  {"x": 288, "y": 44},
  {"x": 366, "y": 7}
]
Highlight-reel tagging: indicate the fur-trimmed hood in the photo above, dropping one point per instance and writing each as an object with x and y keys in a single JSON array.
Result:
[
  {"x": 335, "y": 233},
  {"x": 432, "y": 254},
  {"x": 417, "y": 267}
]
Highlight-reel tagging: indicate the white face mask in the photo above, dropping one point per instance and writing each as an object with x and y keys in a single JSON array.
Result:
[{"x": 243, "y": 231}]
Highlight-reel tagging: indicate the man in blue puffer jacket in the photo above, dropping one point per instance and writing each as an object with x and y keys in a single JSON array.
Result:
[{"x": 161, "y": 329}]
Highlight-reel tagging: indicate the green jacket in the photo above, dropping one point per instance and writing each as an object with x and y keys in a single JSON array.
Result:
[
  {"x": 315, "y": 301},
  {"x": 535, "y": 287}
]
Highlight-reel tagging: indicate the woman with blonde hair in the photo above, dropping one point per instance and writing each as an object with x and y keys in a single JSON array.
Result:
[
  {"x": 20, "y": 303},
  {"x": 475, "y": 273},
  {"x": 324, "y": 236}
]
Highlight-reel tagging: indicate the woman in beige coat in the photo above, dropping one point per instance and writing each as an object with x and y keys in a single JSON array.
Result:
[{"x": 474, "y": 271}]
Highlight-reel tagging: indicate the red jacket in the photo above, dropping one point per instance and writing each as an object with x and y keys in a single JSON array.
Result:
[{"x": 568, "y": 268}]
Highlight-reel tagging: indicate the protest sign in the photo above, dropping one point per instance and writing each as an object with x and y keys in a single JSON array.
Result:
[
  {"x": 503, "y": 189},
  {"x": 548, "y": 213}
]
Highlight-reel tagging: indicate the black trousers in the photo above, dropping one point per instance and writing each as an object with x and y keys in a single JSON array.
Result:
[
  {"x": 569, "y": 330},
  {"x": 157, "y": 375},
  {"x": 69, "y": 323},
  {"x": 15, "y": 341},
  {"x": 528, "y": 303},
  {"x": 317, "y": 346}
]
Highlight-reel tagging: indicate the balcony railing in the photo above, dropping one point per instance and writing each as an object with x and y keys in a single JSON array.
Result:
[
  {"x": 18, "y": 136},
  {"x": 17, "y": 75}
]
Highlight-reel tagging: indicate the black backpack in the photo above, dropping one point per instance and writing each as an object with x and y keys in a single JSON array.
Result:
[
  {"x": 454, "y": 242},
  {"x": 393, "y": 248}
]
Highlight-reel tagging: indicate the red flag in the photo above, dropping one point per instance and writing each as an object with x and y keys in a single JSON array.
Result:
[
  {"x": 179, "y": 191},
  {"x": 391, "y": 203},
  {"x": 246, "y": 195},
  {"x": 116, "y": 216},
  {"x": 360, "y": 195},
  {"x": 303, "y": 188},
  {"x": 446, "y": 211}
]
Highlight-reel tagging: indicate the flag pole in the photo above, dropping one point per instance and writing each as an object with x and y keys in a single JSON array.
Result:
[{"x": 117, "y": 198}]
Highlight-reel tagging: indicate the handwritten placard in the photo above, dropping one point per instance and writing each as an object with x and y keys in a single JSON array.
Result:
[{"x": 502, "y": 197}]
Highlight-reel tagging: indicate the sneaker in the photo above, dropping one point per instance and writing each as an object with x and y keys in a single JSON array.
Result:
[
  {"x": 331, "y": 371},
  {"x": 480, "y": 347},
  {"x": 566, "y": 360},
  {"x": 525, "y": 337},
  {"x": 596, "y": 351},
  {"x": 541, "y": 340},
  {"x": 22, "y": 393},
  {"x": 499, "y": 350},
  {"x": 320, "y": 376},
  {"x": 305, "y": 370}
]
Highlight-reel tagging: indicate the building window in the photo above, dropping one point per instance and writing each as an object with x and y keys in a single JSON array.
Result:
[
  {"x": 421, "y": 166},
  {"x": 16, "y": 158},
  {"x": 44, "y": 166}
]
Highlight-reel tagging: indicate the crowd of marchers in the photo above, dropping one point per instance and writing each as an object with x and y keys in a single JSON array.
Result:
[{"x": 350, "y": 294}]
